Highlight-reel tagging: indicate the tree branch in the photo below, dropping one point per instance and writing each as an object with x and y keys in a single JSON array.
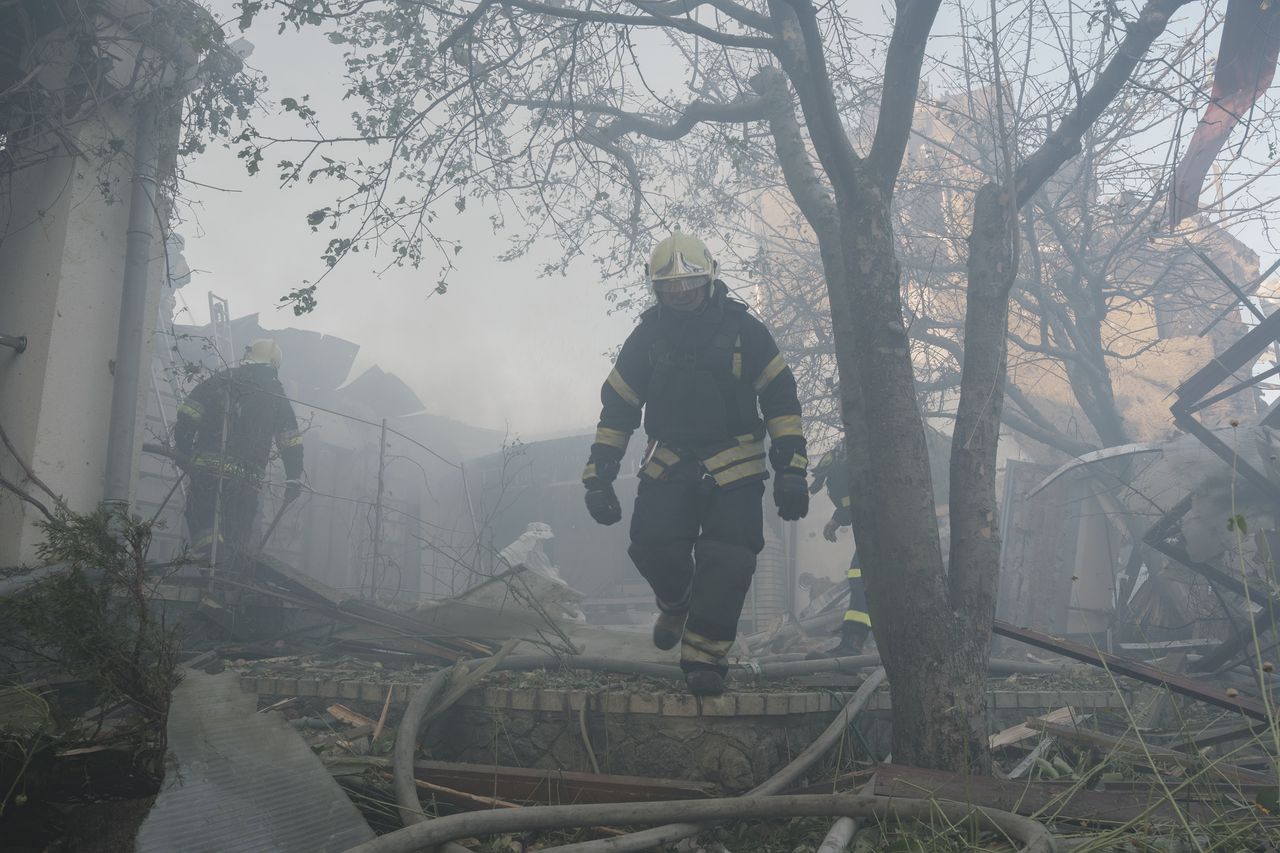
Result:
[
  {"x": 682, "y": 24},
  {"x": 801, "y": 49},
  {"x": 741, "y": 110},
  {"x": 807, "y": 189},
  {"x": 901, "y": 88},
  {"x": 30, "y": 474},
  {"x": 29, "y": 498},
  {"x": 1050, "y": 438},
  {"x": 741, "y": 14},
  {"x": 1064, "y": 142}
]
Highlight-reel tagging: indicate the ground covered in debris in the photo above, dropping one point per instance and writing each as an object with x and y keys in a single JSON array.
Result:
[{"x": 1105, "y": 777}]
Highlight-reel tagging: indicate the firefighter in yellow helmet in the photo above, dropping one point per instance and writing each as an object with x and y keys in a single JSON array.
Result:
[
  {"x": 709, "y": 382},
  {"x": 227, "y": 472}
]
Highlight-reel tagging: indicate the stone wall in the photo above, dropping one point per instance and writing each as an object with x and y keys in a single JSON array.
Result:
[{"x": 735, "y": 741}]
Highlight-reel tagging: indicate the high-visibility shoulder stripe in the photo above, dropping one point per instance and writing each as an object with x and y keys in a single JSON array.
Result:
[
  {"x": 612, "y": 437},
  {"x": 853, "y": 574},
  {"x": 770, "y": 372},
  {"x": 618, "y": 384},
  {"x": 783, "y": 426},
  {"x": 191, "y": 409}
]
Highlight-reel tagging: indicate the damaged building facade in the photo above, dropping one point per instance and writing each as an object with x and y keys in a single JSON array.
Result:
[{"x": 79, "y": 245}]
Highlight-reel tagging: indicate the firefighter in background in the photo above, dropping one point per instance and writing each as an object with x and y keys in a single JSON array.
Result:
[
  {"x": 249, "y": 401},
  {"x": 710, "y": 382},
  {"x": 833, "y": 470}
]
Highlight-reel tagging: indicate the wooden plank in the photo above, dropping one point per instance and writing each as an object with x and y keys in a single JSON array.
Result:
[
  {"x": 1020, "y": 732},
  {"x": 1181, "y": 684},
  {"x": 382, "y": 718},
  {"x": 519, "y": 784},
  {"x": 1059, "y": 800},
  {"x": 1158, "y": 754},
  {"x": 350, "y": 717}
]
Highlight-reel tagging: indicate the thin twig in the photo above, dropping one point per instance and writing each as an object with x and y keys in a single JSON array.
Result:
[{"x": 31, "y": 475}]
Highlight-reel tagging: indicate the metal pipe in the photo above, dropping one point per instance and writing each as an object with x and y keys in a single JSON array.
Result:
[
  {"x": 16, "y": 342},
  {"x": 132, "y": 335}
]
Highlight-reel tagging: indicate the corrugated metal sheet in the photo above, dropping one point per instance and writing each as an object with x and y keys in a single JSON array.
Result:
[{"x": 238, "y": 781}]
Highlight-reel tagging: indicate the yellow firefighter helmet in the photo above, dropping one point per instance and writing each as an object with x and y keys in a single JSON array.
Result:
[
  {"x": 681, "y": 270},
  {"x": 263, "y": 351}
]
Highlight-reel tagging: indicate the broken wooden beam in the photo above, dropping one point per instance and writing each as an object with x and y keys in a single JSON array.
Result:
[
  {"x": 1156, "y": 754},
  {"x": 552, "y": 787},
  {"x": 350, "y": 717},
  {"x": 1120, "y": 665},
  {"x": 465, "y": 798},
  {"x": 476, "y": 801},
  {"x": 1057, "y": 800},
  {"x": 1021, "y": 731},
  {"x": 1213, "y": 737}
]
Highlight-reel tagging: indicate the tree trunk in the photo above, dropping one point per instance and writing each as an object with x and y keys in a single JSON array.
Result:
[
  {"x": 935, "y": 722},
  {"x": 933, "y": 629}
]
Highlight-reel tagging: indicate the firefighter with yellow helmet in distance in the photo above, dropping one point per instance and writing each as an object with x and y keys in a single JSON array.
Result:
[
  {"x": 710, "y": 382},
  {"x": 249, "y": 400}
]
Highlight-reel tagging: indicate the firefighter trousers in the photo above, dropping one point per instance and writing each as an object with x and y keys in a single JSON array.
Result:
[
  {"x": 236, "y": 513},
  {"x": 856, "y": 619},
  {"x": 696, "y": 544}
]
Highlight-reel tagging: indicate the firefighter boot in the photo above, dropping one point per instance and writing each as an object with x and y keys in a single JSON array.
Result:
[
  {"x": 704, "y": 682},
  {"x": 669, "y": 627},
  {"x": 852, "y": 636}
]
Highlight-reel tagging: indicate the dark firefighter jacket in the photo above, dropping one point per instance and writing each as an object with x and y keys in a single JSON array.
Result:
[
  {"x": 710, "y": 385},
  {"x": 258, "y": 414},
  {"x": 832, "y": 470}
]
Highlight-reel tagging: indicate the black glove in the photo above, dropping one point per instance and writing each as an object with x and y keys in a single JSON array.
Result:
[
  {"x": 791, "y": 495},
  {"x": 602, "y": 503},
  {"x": 292, "y": 489}
]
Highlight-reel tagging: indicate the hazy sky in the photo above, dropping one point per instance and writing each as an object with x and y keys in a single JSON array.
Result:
[{"x": 502, "y": 349}]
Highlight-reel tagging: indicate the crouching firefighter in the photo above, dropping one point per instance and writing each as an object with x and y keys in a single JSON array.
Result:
[
  {"x": 703, "y": 371},
  {"x": 228, "y": 470},
  {"x": 833, "y": 470}
]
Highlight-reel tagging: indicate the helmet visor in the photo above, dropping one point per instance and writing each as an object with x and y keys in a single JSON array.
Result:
[
  {"x": 684, "y": 284},
  {"x": 682, "y": 294}
]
